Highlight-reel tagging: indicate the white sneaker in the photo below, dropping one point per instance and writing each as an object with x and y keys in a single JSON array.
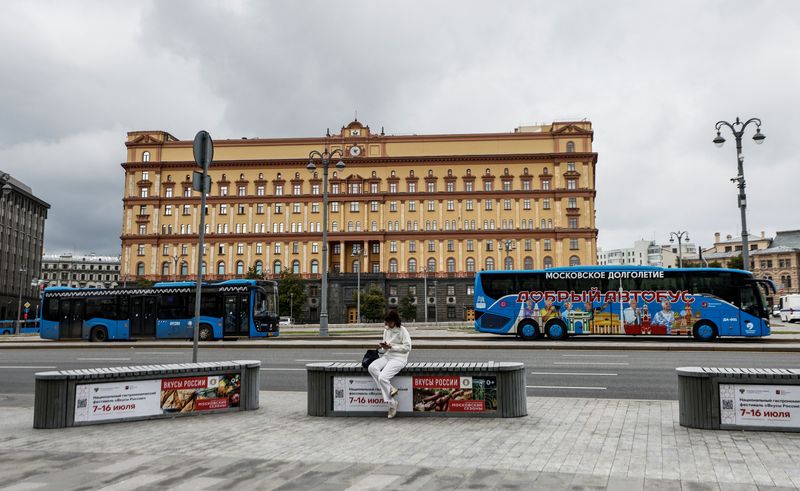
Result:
[
  {"x": 392, "y": 409},
  {"x": 393, "y": 392}
]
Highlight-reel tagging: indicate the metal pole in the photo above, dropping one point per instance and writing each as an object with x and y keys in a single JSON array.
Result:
[
  {"x": 198, "y": 286},
  {"x": 680, "y": 253},
  {"x": 425, "y": 291},
  {"x": 22, "y": 271},
  {"x": 291, "y": 301},
  {"x": 323, "y": 314},
  {"x": 742, "y": 203},
  {"x": 358, "y": 292}
]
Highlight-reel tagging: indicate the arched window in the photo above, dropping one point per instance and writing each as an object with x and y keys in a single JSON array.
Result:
[
  {"x": 203, "y": 267},
  {"x": 393, "y": 265},
  {"x": 489, "y": 263},
  {"x": 412, "y": 265},
  {"x": 165, "y": 268},
  {"x": 276, "y": 267},
  {"x": 259, "y": 266},
  {"x": 470, "y": 265},
  {"x": 570, "y": 146},
  {"x": 184, "y": 268},
  {"x": 509, "y": 263},
  {"x": 139, "y": 269},
  {"x": 528, "y": 262},
  {"x": 314, "y": 266},
  {"x": 431, "y": 265},
  {"x": 574, "y": 261},
  {"x": 221, "y": 268},
  {"x": 146, "y": 157},
  {"x": 548, "y": 262},
  {"x": 240, "y": 267},
  {"x": 296, "y": 266},
  {"x": 451, "y": 265}
]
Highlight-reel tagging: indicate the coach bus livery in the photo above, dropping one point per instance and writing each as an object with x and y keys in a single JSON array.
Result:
[
  {"x": 233, "y": 308},
  {"x": 558, "y": 302}
]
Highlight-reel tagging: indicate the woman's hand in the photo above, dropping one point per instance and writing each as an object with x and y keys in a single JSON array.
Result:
[{"x": 385, "y": 345}]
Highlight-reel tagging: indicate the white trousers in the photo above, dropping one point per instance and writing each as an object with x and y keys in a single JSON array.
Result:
[{"x": 383, "y": 370}]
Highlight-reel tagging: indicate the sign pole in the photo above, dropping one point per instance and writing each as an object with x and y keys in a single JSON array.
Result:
[{"x": 203, "y": 149}]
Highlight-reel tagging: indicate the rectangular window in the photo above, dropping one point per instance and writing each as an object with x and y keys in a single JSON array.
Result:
[
  {"x": 451, "y": 246},
  {"x": 506, "y": 185},
  {"x": 260, "y": 209},
  {"x": 570, "y": 166},
  {"x": 142, "y": 229},
  {"x": 259, "y": 248},
  {"x": 373, "y": 206},
  {"x": 526, "y": 185},
  {"x": 412, "y": 290},
  {"x": 451, "y": 187},
  {"x": 223, "y": 209},
  {"x": 487, "y": 204},
  {"x": 242, "y": 190},
  {"x": 573, "y": 223},
  {"x": 354, "y": 206},
  {"x": 527, "y": 244},
  {"x": 140, "y": 250},
  {"x": 239, "y": 248},
  {"x": 393, "y": 246},
  {"x": 451, "y": 290},
  {"x": 185, "y": 249},
  {"x": 392, "y": 187},
  {"x": 412, "y": 187},
  {"x": 571, "y": 184},
  {"x": 431, "y": 246},
  {"x": 337, "y": 248},
  {"x": 412, "y": 205},
  {"x": 223, "y": 190},
  {"x": 165, "y": 250},
  {"x": 546, "y": 204},
  {"x": 470, "y": 245},
  {"x": 279, "y": 190},
  {"x": 314, "y": 248},
  {"x": 240, "y": 209},
  {"x": 187, "y": 210},
  {"x": 506, "y": 204},
  {"x": 334, "y": 207},
  {"x": 315, "y": 189},
  {"x": 412, "y": 246},
  {"x": 296, "y": 207},
  {"x": 393, "y": 206},
  {"x": 526, "y": 204},
  {"x": 547, "y": 245},
  {"x": 450, "y": 205},
  {"x": 431, "y": 186},
  {"x": 470, "y": 290},
  {"x": 260, "y": 190},
  {"x": 373, "y": 187},
  {"x": 295, "y": 247},
  {"x": 468, "y": 186},
  {"x": 143, "y": 193},
  {"x": 469, "y": 205},
  {"x": 145, "y": 176},
  {"x": 573, "y": 244},
  {"x": 545, "y": 185},
  {"x": 296, "y": 189},
  {"x": 572, "y": 203},
  {"x": 168, "y": 192},
  {"x": 431, "y": 205},
  {"x": 489, "y": 245},
  {"x": 168, "y": 210}
]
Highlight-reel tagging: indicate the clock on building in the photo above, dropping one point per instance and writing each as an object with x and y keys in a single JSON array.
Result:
[{"x": 355, "y": 151}]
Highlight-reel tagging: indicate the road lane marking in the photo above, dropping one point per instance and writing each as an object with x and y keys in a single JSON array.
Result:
[
  {"x": 354, "y": 353},
  {"x": 590, "y": 363},
  {"x": 17, "y": 367},
  {"x": 161, "y": 352},
  {"x": 577, "y": 373},
  {"x": 277, "y": 369},
  {"x": 322, "y": 361},
  {"x": 103, "y": 359},
  {"x": 563, "y": 387},
  {"x": 599, "y": 356}
]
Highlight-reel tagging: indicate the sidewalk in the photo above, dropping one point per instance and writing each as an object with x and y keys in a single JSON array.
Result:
[{"x": 563, "y": 443}]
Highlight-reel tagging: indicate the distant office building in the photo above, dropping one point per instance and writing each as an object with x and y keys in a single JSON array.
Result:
[
  {"x": 22, "y": 217},
  {"x": 89, "y": 271},
  {"x": 648, "y": 253},
  {"x": 724, "y": 251},
  {"x": 780, "y": 262}
]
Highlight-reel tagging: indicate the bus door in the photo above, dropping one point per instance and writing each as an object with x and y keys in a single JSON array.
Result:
[
  {"x": 70, "y": 316},
  {"x": 237, "y": 315},
  {"x": 143, "y": 316}
]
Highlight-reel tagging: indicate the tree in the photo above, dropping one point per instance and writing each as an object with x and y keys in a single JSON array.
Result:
[
  {"x": 253, "y": 274},
  {"x": 736, "y": 262},
  {"x": 143, "y": 283},
  {"x": 407, "y": 310},
  {"x": 291, "y": 293},
  {"x": 373, "y": 305}
]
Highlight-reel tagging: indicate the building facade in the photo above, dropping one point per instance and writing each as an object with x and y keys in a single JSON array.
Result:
[
  {"x": 22, "y": 217},
  {"x": 80, "y": 271},
  {"x": 780, "y": 262},
  {"x": 724, "y": 251},
  {"x": 648, "y": 253},
  {"x": 412, "y": 209}
]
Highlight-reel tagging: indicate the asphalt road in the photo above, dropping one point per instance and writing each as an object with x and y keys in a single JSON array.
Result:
[{"x": 600, "y": 374}]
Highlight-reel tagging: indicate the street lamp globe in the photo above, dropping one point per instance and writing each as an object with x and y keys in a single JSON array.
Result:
[
  {"x": 719, "y": 141},
  {"x": 311, "y": 166},
  {"x": 759, "y": 137},
  {"x": 340, "y": 165}
]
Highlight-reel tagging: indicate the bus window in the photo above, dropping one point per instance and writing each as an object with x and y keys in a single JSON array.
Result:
[
  {"x": 495, "y": 286},
  {"x": 529, "y": 282},
  {"x": 260, "y": 307},
  {"x": 750, "y": 301}
]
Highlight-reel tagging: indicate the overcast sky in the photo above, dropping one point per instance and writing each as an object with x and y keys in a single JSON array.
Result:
[{"x": 653, "y": 77}]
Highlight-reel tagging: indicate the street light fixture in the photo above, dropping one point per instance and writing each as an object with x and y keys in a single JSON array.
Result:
[
  {"x": 681, "y": 236},
  {"x": 738, "y": 131},
  {"x": 325, "y": 160},
  {"x": 175, "y": 258},
  {"x": 425, "y": 291},
  {"x": 506, "y": 245},
  {"x": 357, "y": 265},
  {"x": 22, "y": 272}
]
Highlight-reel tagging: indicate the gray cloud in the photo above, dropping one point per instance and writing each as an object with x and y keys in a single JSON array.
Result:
[{"x": 653, "y": 77}]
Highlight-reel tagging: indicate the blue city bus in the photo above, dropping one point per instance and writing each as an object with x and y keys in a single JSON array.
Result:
[
  {"x": 25, "y": 327},
  {"x": 703, "y": 303},
  {"x": 229, "y": 309}
]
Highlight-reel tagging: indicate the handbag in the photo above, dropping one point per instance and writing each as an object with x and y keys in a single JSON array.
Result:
[{"x": 370, "y": 356}]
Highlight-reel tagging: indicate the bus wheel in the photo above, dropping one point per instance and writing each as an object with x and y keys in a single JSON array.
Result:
[
  {"x": 556, "y": 330},
  {"x": 205, "y": 334},
  {"x": 98, "y": 335},
  {"x": 704, "y": 331},
  {"x": 528, "y": 330}
]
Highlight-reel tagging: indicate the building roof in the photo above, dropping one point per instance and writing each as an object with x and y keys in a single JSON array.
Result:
[
  {"x": 21, "y": 188},
  {"x": 775, "y": 250},
  {"x": 91, "y": 257},
  {"x": 721, "y": 255},
  {"x": 738, "y": 239},
  {"x": 787, "y": 238}
]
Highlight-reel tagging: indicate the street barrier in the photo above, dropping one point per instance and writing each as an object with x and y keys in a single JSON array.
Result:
[
  {"x": 102, "y": 395},
  {"x": 486, "y": 389},
  {"x": 739, "y": 398}
]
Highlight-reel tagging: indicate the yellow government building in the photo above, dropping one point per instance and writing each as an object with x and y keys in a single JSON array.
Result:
[{"x": 407, "y": 211}]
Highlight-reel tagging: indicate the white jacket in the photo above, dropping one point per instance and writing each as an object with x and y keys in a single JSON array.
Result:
[{"x": 400, "y": 341}]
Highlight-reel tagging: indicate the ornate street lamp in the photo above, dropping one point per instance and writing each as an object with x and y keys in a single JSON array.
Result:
[
  {"x": 325, "y": 160},
  {"x": 681, "y": 236},
  {"x": 738, "y": 130}
]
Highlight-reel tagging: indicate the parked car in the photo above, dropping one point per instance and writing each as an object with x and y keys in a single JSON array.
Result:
[
  {"x": 776, "y": 311},
  {"x": 286, "y": 321}
]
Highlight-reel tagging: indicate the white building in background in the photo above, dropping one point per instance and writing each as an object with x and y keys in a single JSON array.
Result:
[
  {"x": 89, "y": 271},
  {"x": 648, "y": 253}
]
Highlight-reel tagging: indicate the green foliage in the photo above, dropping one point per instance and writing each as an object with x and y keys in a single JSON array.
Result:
[
  {"x": 373, "y": 305},
  {"x": 407, "y": 310},
  {"x": 253, "y": 274},
  {"x": 736, "y": 262},
  {"x": 143, "y": 283},
  {"x": 291, "y": 291}
]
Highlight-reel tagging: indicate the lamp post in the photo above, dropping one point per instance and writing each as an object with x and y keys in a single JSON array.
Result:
[
  {"x": 681, "y": 235},
  {"x": 738, "y": 130},
  {"x": 325, "y": 160},
  {"x": 357, "y": 266},
  {"x": 291, "y": 304},
  {"x": 508, "y": 246},
  {"x": 22, "y": 272},
  {"x": 176, "y": 258},
  {"x": 425, "y": 291}
]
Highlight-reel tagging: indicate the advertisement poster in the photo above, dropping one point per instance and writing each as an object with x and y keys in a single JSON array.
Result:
[
  {"x": 143, "y": 398},
  {"x": 760, "y": 405},
  {"x": 360, "y": 393},
  {"x": 453, "y": 393}
]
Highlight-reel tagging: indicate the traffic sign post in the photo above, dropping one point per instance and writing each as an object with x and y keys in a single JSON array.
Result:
[{"x": 203, "y": 149}]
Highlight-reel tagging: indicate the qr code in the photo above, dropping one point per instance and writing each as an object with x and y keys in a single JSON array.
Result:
[
  {"x": 727, "y": 404},
  {"x": 338, "y": 393},
  {"x": 82, "y": 403}
]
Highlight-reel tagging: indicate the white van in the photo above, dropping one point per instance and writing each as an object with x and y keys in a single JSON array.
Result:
[
  {"x": 285, "y": 321},
  {"x": 790, "y": 308}
]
